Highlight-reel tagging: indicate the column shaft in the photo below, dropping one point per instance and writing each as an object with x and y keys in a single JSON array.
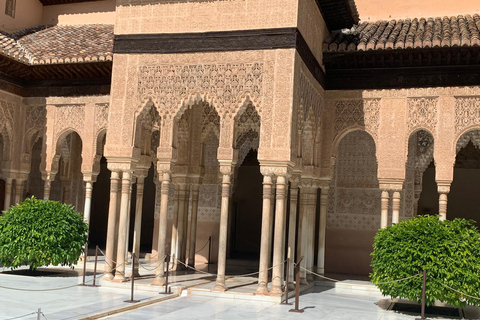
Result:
[
  {"x": 138, "y": 221},
  {"x": 173, "y": 248},
  {"x": 111, "y": 227},
  {"x": 442, "y": 206},
  {"x": 322, "y": 227},
  {"x": 384, "y": 209},
  {"x": 18, "y": 190},
  {"x": 122, "y": 228},
  {"x": 302, "y": 236},
  {"x": 180, "y": 226},
  {"x": 8, "y": 193},
  {"x": 278, "y": 255},
  {"x": 292, "y": 227},
  {"x": 162, "y": 231},
  {"x": 395, "y": 207},
  {"x": 193, "y": 226},
  {"x": 222, "y": 241},
  {"x": 88, "y": 202},
  {"x": 156, "y": 221},
  {"x": 46, "y": 189},
  {"x": 265, "y": 236}
]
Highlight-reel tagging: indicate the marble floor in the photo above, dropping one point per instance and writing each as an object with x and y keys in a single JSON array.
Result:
[{"x": 318, "y": 303}]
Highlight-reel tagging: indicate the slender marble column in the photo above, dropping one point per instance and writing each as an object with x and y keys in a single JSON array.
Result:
[
  {"x": 278, "y": 254},
  {"x": 302, "y": 237},
  {"x": 185, "y": 240},
  {"x": 46, "y": 189},
  {"x": 272, "y": 220},
  {"x": 156, "y": 221},
  {"x": 8, "y": 193},
  {"x": 193, "y": 225},
  {"x": 162, "y": 230},
  {"x": 312, "y": 205},
  {"x": 443, "y": 190},
  {"x": 111, "y": 228},
  {"x": 395, "y": 207},
  {"x": 18, "y": 190},
  {"x": 181, "y": 226},
  {"x": 322, "y": 227},
  {"x": 292, "y": 226},
  {"x": 88, "y": 201},
  {"x": 138, "y": 221},
  {"x": 122, "y": 228},
  {"x": 265, "y": 237},
  {"x": 173, "y": 244},
  {"x": 127, "y": 235},
  {"x": 222, "y": 241},
  {"x": 384, "y": 209}
]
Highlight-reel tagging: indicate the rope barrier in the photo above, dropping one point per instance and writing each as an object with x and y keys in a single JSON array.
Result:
[
  {"x": 202, "y": 247},
  {"x": 150, "y": 269},
  {"x": 360, "y": 285},
  {"x": 457, "y": 291}
]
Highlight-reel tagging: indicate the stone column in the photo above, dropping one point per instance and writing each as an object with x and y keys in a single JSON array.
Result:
[
  {"x": 8, "y": 192},
  {"x": 162, "y": 230},
  {"x": 292, "y": 227},
  {"x": 226, "y": 171},
  {"x": 272, "y": 212},
  {"x": 138, "y": 222},
  {"x": 122, "y": 227},
  {"x": 127, "y": 235},
  {"x": 278, "y": 254},
  {"x": 193, "y": 225},
  {"x": 88, "y": 201},
  {"x": 173, "y": 244},
  {"x": 265, "y": 236},
  {"x": 156, "y": 221},
  {"x": 312, "y": 205},
  {"x": 185, "y": 239},
  {"x": 111, "y": 228},
  {"x": 18, "y": 190},
  {"x": 322, "y": 227},
  {"x": 384, "y": 209},
  {"x": 443, "y": 190},
  {"x": 302, "y": 235},
  {"x": 395, "y": 207},
  {"x": 181, "y": 225}
]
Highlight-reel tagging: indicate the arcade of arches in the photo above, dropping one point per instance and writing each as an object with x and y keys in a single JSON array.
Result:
[{"x": 291, "y": 130}]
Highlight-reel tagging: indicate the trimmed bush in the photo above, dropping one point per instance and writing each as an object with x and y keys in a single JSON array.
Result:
[
  {"x": 449, "y": 251},
  {"x": 41, "y": 232}
]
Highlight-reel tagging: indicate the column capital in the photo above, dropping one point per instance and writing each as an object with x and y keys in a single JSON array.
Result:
[
  {"x": 89, "y": 177},
  {"x": 275, "y": 170},
  {"x": 121, "y": 164},
  {"x": 443, "y": 187},
  {"x": 390, "y": 184},
  {"x": 227, "y": 168}
]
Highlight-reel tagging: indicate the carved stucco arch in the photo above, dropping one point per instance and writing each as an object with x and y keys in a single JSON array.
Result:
[
  {"x": 413, "y": 132},
  {"x": 461, "y": 134},
  {"x": 343, "y": 133},
  {"x": 54, "y": 165}
]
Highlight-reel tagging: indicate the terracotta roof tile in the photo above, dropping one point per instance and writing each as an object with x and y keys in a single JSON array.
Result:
[
  {"x": 59, "y": 44},
  {"x": 407, "y": 33}
]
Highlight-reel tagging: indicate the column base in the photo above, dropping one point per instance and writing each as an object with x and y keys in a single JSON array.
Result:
[
  {"x": 119, "y": 278},
  {"x": 159, "y": 281},
  {"x": 291, "y": 286},
  {"x": 321, "y": 271},
  {"x": 310, "y": 277},
  {"x": 219, "y": 287},
  {"x": 303, "y": 281},
  {"x": 107, "y": 277},
  {"x": 136, "y": 274},
  {"x": 262, "y": 290},
  {"x": 276, "y": 291}
]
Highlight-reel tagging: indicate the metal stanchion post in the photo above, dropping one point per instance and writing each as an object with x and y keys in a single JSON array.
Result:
[
  {"x": 85, "y": 254},
  {"x": 297, "y": 287},
  {"x": 286, "y": 283},
  {"x": 424, "y": 289},
  {"x": 95, "y": 266},
  {"x": 133, "y": 281},
  {"x": 209, "y": 248}
]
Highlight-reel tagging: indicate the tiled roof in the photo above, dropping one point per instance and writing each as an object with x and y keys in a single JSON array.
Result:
[
  {"x": 59, "y": 44},
  {"x": 408, "y": 33}
]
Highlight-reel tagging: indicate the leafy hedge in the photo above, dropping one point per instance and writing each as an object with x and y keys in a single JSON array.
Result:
[
  {"x": 41, "y": 232},
  {"x": 449, "y": 251}
]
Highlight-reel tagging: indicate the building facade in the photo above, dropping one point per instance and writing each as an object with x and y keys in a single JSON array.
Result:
[{"x": 276, "y": 127}]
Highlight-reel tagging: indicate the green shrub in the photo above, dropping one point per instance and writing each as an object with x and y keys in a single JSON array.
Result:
[
  {"x": 449, "y": 251},
  {"x": 41, "y": 232}
]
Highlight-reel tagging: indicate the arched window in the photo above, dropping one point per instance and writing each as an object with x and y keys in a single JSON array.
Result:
[{"x": 10, "y": 8}]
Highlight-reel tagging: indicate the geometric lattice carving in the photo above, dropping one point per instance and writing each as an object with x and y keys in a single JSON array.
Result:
[
  {"x": 210, "y": 122},
  {"x": 357, "y": 113},
  {"x": 101, "y": 116},
  {"x": 208, "y": 208},
  {"x": 226, "y": 84},
  {"x": 422, "y": 112},
  {"x": 69, "y": 117},
  {"x": 467, "y": 112},
  {"x": 211, "y": 164},
  {"x": 473, "y": 135},
  {"x": 354, "y": 196}
]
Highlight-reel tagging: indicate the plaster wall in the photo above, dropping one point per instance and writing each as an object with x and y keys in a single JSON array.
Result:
[
  {"x": 28, "y": 13},
  {"x": 372, "y": 10},
  {"x": 80, "y": 13},
  {"x": 160, "y": 16}
]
